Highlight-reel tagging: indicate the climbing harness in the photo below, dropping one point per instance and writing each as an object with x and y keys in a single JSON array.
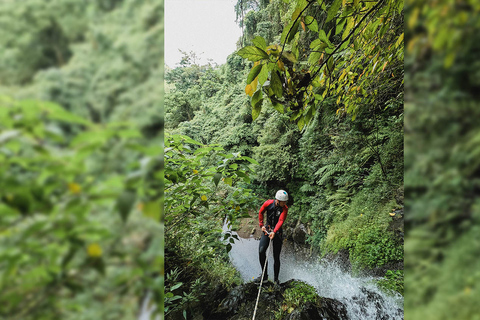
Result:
[{"x": 261, "y": 280}]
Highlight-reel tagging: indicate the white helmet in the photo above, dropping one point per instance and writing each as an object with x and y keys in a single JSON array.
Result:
[{"x": 281, "y": 195}]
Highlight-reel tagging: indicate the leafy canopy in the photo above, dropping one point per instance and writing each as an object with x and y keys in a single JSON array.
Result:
[{"x": 350, "y": 50}]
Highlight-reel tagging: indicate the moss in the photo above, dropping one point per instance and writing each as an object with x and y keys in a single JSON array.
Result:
[
  {"x": 392, "y": 282},
  {"x": 300, "y": 293}
]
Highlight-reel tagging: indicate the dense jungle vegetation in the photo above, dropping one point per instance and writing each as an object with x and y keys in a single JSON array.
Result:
[
  {"x": 80, "y": 158},
  {"x": 312, "y": 102},
  {"x": 441, "y": 160}
]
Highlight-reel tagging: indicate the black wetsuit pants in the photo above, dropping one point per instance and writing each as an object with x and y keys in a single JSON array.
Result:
[{"x": 277, "y": 247}]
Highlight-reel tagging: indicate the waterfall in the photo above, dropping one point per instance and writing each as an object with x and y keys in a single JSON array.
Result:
[{"x": 362, "y": 298}]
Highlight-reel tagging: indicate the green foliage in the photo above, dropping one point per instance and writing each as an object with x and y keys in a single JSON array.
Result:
[
  {"x": 366, "y": 233},
  {"x": 64, "y": 244},
  {"x": 276, "y": 152},
  {"x": 187, "y": 298},
  {"x": 177, "y": 109},
  {"x": 300, "y": 293},
  {"x": 187, "y": 170},
  {"x": 353, "y": 173},
  {"x": 393, "y": 281},
  {"x": 334, "y": 169},
  {"x": 372, "y": 247},
  {"x": 442, "y": 81},
  {"x": 349, "y": 56},
  {"x": 47, "y": 29},
  {"x": 80, "y": 187},
  {"x": 202, "y": 188},
  {"x": 102, "y": 64}
]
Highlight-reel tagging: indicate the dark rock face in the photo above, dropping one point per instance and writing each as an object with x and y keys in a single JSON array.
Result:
[
  {"x": 300, "y": 234},
  {"x": 329, "y": 309},
  {"x": 239, "y": 304}
]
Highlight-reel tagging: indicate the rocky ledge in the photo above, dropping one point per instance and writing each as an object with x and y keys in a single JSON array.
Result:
[{"x": 239, "y": 304}]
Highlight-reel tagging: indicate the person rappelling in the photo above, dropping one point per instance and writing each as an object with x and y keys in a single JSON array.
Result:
[{"x": 276, "y": 213}]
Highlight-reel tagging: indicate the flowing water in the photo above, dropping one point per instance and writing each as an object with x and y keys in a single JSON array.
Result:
[
  {"x": 362, "y": 298},
  {"x": 147, "y": 309}
]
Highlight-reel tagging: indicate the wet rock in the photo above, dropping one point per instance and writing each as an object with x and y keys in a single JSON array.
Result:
[
  {"x": 382, "y": 271},
  {"x": 372, "y": 298},
  {"x": 239, "y": 304},
  {"x": 399, "y": 195},
  {"x": 298, "y": 315},
  {"x": 233, "y": 301},
  {"x": 214, "y": 297},
  {"x": 397, "y": 225},
  {"x": 300, "y": 234},
  {"x": 332, "y": 309},
  {"x": 328, "y": 309}
]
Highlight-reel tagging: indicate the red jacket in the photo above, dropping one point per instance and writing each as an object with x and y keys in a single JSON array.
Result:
[{"x": 281, "y": 219}]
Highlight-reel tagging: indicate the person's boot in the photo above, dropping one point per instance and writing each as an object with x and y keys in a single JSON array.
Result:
[{"x": 276, "y": 281}]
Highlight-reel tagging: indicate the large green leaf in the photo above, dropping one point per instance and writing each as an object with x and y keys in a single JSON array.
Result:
[
  {"x": 301, "y": 123},
  {"x": 294, "y": 30},
  {"x": 256, "y": 98},
  {"x": 257, "y": 101},
  {"x": 290, "y": 56},
  {"x": 315, "y": 43},
  {"x": 340, "y": 25},
  {"x": 256, "y": 109},
  {"x": 216, "y": 178},
  {"x": 333, "y": 10},
  {"x": 259, "y": 42},
  {"x": 314, "y": 57},
  {"x": 263, "y": 75},
  {"x": 276, "y": 84},
  {"x": 91, "y": 137},
  {"x": 290, "y": 30},
  {"x": 311, "y": 23},
  {"x": 125, "y": 203},
  {"x": 323, "y": 36},
  {"x": 253, "y": 161},
  {"x": 278, "y": 106},
  {"x": 254, "y": 73},
  {"x": 56, "y": 112},
  {"x": 252, "y": 53}
]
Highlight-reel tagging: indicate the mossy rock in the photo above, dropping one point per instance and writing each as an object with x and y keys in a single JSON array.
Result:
[{"x": 290, "y": 300}]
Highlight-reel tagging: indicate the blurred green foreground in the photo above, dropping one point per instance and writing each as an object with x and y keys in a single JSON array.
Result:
[
  {"x": 81, "y": 232},
  {"x": 442, "y": 184}
]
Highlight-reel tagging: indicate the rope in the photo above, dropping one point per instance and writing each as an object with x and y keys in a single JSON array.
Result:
[{"x": 261, "y": 280}]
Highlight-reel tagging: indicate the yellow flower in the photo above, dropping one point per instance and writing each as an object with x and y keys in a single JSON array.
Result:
[
  {"x": 195, "y": 171},
  {"x": 204, "y": 198},
  {"x": 74, "y": 188},
  {"x": 94, "y": 250},
  {"x": 237, "y": 208}
]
